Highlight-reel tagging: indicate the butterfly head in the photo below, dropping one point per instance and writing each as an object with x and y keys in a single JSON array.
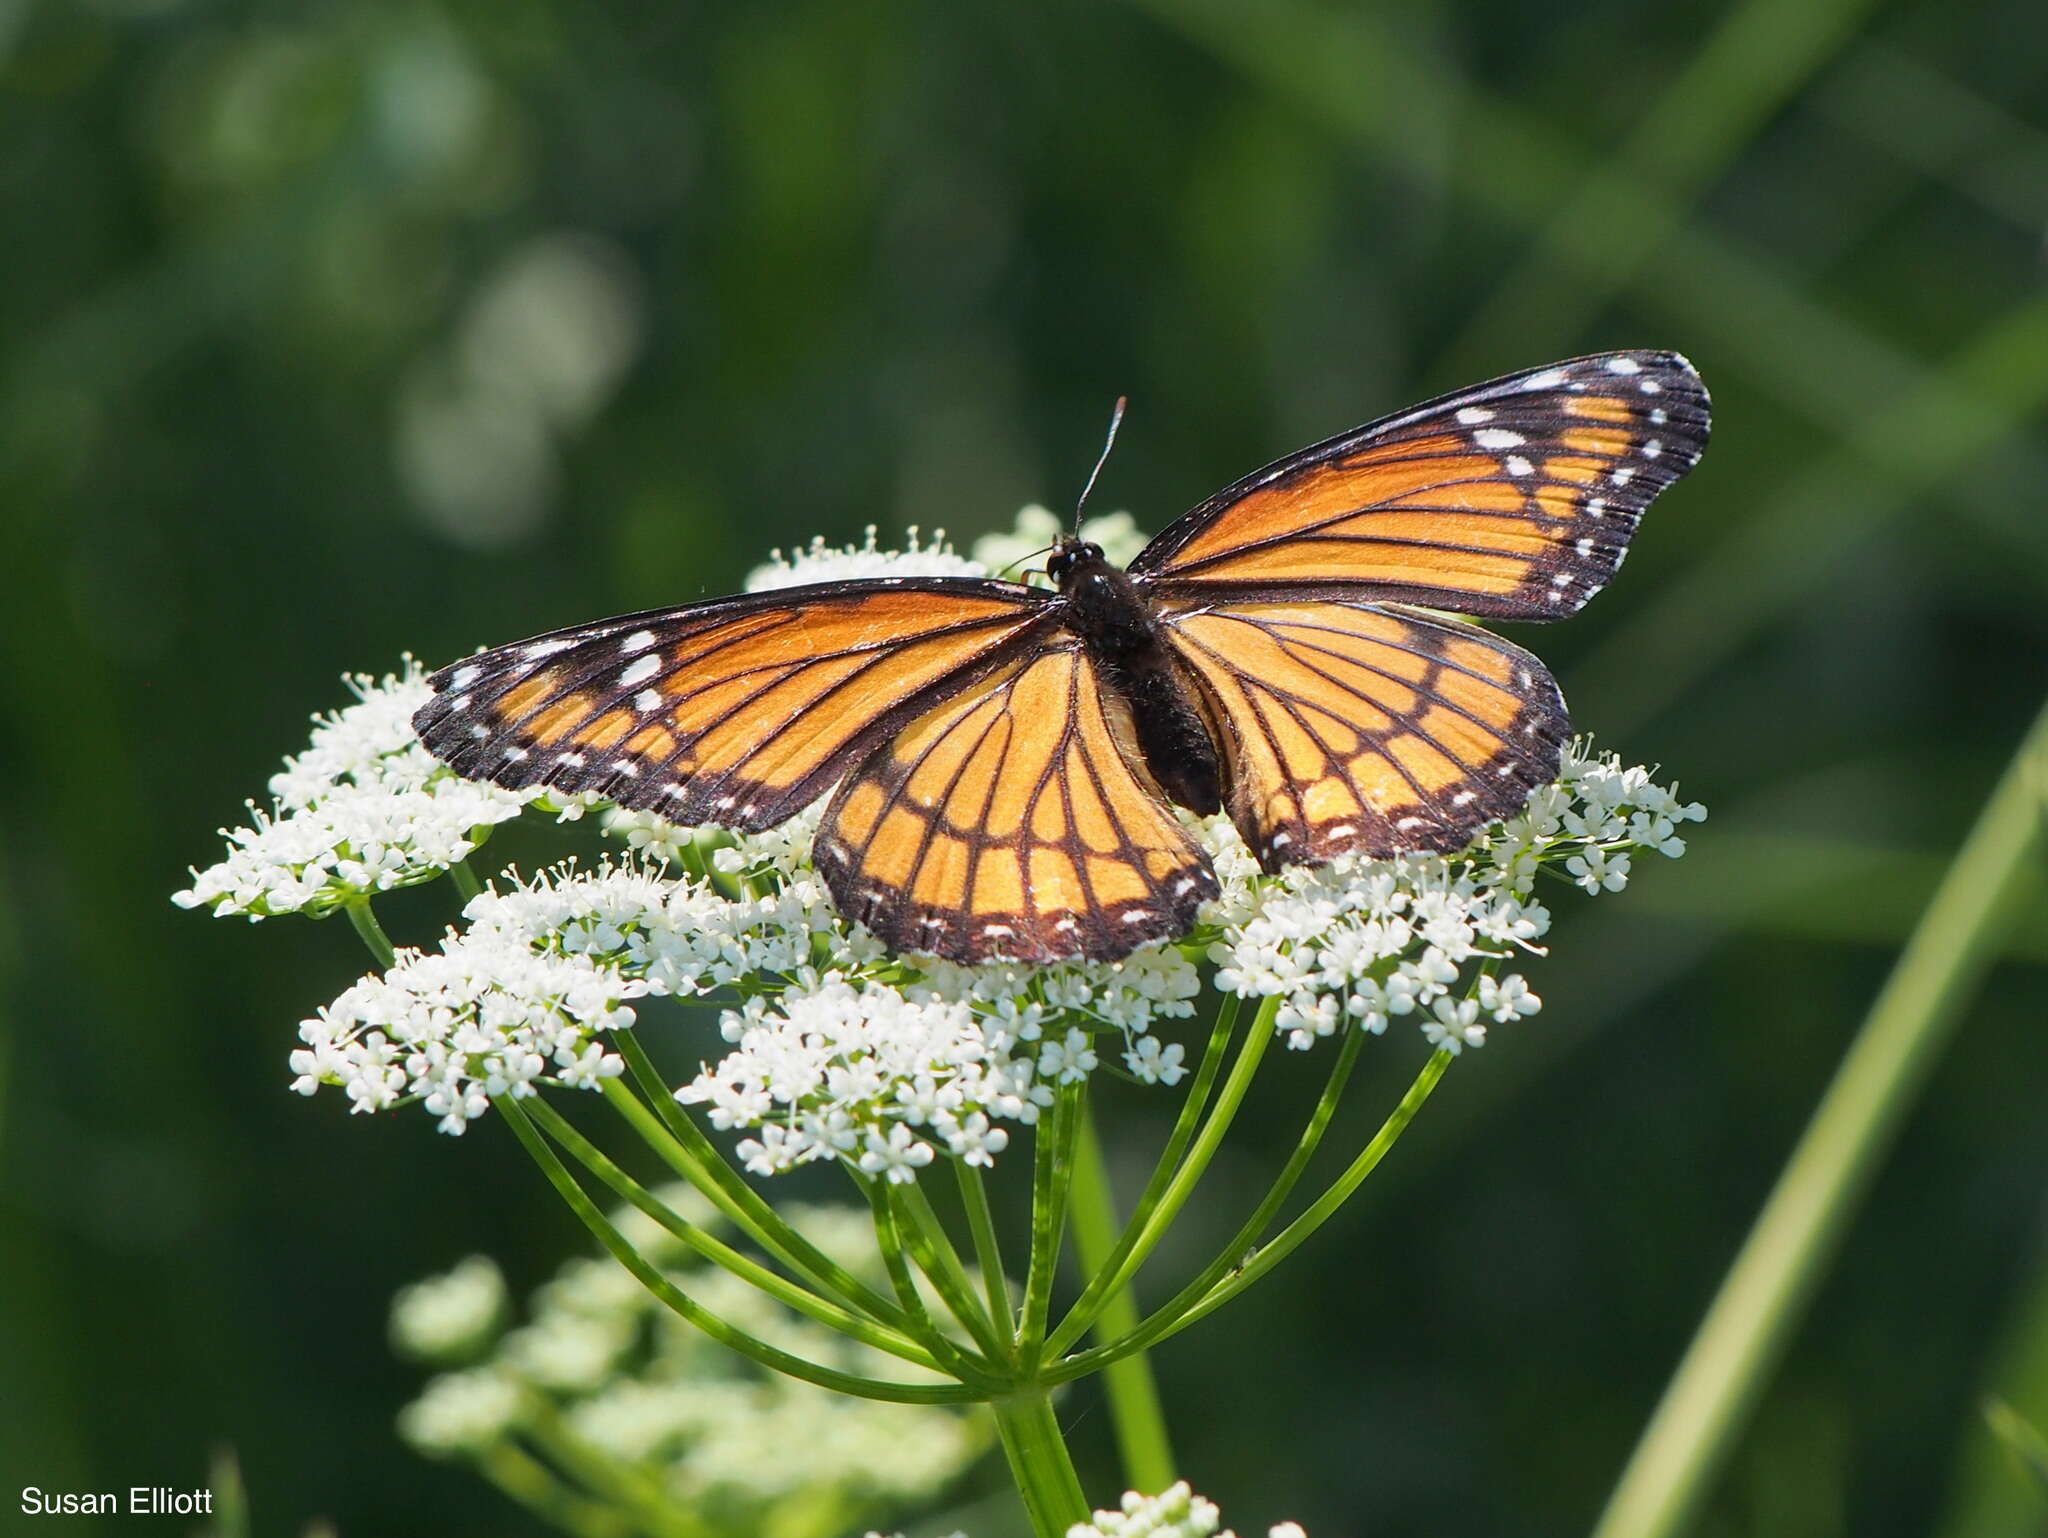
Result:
[{"x": 1069, "y": 554}]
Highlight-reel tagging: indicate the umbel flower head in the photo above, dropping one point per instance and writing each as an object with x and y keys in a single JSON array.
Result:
[
  {"x": 837, "y": 1049},
  {"x": 600, "y": 1390}
]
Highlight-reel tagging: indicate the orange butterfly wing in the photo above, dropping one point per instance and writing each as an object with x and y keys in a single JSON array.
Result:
[
  {"x": 1352, "y": 728},
  {"x": 1512, "y": 500},
  {"x": 737, "y": 712},
  {"x": 1014, "y": 819}
]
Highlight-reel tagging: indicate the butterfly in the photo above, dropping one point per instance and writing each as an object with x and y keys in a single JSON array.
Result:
[{"x": 1004, "y": 760}]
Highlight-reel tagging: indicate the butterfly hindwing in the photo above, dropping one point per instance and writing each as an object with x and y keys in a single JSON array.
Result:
[
  {"x": 1512, "y": 500},
  {"x": 1013, "y": 821},
  {"x": 737, "y": 712},
  {"x": 1354, "y": 728}
]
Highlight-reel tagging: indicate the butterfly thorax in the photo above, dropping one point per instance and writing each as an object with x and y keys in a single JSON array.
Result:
[{"x": 1115, "y": 621}]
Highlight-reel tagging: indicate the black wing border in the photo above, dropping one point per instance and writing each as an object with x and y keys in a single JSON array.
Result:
[{"x": 1196, "y": 519}]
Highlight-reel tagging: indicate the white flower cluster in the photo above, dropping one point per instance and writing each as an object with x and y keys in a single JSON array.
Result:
[
  {"x": 1363, "y": 941},
  {"x": 485, "y": 1015},
  {"x": 450, "y": 1315},
  {"x": 1035, "y": 530},
  {"x": 1176, "y": 1513},
  {"x": 820, "y": 562},
  {"x": 601, "y": 1361},
  {"x": 839, "y": 1050},
  {"x": 364, "y": 809}
]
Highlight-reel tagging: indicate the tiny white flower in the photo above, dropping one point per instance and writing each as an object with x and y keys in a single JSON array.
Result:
[{"x": 1453, "y": 1025}]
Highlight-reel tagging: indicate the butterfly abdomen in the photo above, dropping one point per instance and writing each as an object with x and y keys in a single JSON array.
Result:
[{"x": 1106, "y": 609}]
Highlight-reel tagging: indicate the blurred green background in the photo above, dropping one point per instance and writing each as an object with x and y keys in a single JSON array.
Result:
[{"x": 329, "y": 331}]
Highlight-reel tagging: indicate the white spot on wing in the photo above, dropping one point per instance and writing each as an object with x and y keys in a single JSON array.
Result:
[
  {"x": 464, "y": 677},
  {"x": 1498, "y": 438},
  {"x": 1517, "y": 465},
  {"x": 1623, "y": 366},
  {"x": 1549, "y": 379},
  {"x": 638, "y": 641},
  {"x": 647, "y": 699},
  {"x": 640, "y": 671},
  {"x": 1472, "y": 416}
]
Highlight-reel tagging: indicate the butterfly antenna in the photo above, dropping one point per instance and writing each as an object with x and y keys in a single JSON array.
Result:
[
  {"x": 1116, "y": 420},
  {"x": 1034, "y": 555}
]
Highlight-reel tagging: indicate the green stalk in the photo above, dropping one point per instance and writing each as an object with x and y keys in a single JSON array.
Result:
[
  {"x": 988, "y": 1250},
  {"x": 743, "y": 1266},
  {"x": 682, "y": 1145},
  {"x": 465, "y": 880},
  {"x": 372, "y": 932},
  {"x": 932, "y": 1248},
  {"x": 711, "y": 1324},
  {"x": 621, "y": 1485},
  {"x": 1231, "y": 1259},
  {"x": 526, "y": 1481},
  {"x": 1249, "y": 1053},
  {"x": 1134, "y": 1409},
  {"x": 1166, "y": 1322},
  {"x": 1083, "y": 1313},
  {"x": 1051, "y": 1181},
  {"x": 1039, "y": 1462},
  {"x": 1762, "y": 1298},
  {"x": 889, "y": 1236}
]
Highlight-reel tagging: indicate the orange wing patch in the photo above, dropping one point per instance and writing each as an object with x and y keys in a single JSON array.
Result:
[
  {"x": 1356, "y": 729},
  {"x": 737, "y": 712},
  {"x": 1014, "y": 821},
  {"x": 1514, "y": 500}
]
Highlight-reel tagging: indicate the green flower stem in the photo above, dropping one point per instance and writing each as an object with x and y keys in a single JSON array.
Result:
[
  {"x": 621, "y": 1485},
  {"x": 933, "y": 1250},
  {"x": 1051, "y": 1180},
  {"x": 745, "y": 1267},
  {"x": 689, "y": 1153},
  {"x": 1249, "y": 1053},
  {"x": 1729, "y": 1362},
  {"x": 526, "y": 1481},
  {"x": 1164, "y": 1322},
  {"x": 1039, "y": 1462},
  {"x": 366, "y": 924},
  {"x": 889, "y": 1236},
  {"x": 1134, "y": 1409},
  {"x": 1240, "y": 1244},
  {"x": 711, "y": 1324},
  {"x": 465, "y": 880},
  {"x": 988, "y": 1250},
  {"x": 1085, "y": 1308}
]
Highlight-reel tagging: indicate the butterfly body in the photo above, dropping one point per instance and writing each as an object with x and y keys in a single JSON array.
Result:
[
  {"x": 1007, "y": 758},
  {"x": 1110, "y": 614}
]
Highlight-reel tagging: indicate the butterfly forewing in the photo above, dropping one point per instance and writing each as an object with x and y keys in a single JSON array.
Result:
[
  {"x": 1512, "y": 500},
  {"x": 738, "y": 712},
  {"x": 1014, "y": 820},
  {"x": 1358, "y": 729}
]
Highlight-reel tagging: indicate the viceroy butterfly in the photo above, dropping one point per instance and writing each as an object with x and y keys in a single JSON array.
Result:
[{"x": 1006, "y": 757}]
